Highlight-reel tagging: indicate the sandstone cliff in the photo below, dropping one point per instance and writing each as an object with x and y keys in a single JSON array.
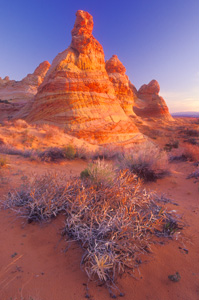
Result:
[{"x": 78, "y": 93}]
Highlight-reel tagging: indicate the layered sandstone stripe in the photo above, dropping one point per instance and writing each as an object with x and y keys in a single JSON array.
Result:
[{"x": 78, "y": 95}]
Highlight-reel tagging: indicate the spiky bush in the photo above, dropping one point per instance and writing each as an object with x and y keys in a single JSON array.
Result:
[
  {"x": 114, "y": 222},
  {"x": 147, "y": 161},
  {"x": 40, "y": 197}
]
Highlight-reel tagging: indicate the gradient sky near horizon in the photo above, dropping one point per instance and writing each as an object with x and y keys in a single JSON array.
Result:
[{"x": 154, "y": 39}]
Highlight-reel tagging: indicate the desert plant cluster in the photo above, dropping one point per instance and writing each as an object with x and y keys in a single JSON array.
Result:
[
  {"x": 147, "y": 161},
  {"x": 187, "y": 152},
  {"x": 113, "y": 220}
]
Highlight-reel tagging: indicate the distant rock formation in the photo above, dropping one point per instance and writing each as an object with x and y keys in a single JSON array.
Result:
[
  {"x": 78, "y": 93},
  {"x": 116, "y": 72},
  {"x": 21, "y": 91},
  {"x": 149, "y": 104}
]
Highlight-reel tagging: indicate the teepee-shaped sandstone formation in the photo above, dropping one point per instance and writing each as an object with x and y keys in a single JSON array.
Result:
[{"x": 90, "y": 99}]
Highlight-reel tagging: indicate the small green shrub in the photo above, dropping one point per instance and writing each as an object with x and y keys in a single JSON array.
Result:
[
  {"x": 85, "y": 174},
  {"x": 3, "y": 162},
  {"x": 169, "y": 146},
  {"x": 69, "y": 151}
]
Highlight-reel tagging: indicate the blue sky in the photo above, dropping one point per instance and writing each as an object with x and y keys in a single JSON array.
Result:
[{"x": 154, "y": 39}]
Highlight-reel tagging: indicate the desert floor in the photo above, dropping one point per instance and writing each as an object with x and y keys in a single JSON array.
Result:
[{"x": 34, "y": 264}]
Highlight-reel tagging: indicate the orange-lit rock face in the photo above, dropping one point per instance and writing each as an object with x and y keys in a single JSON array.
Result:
[
  {"x": 149, "y": 89},
  {"x": 150, "y": 104},
  {"x": 90, "y": 54},
  {"x": 78, "y": 95},
  {"x": 114, "y": 65},
  {"x": 42, "y": 69},
  {"x": 120, "y": 81}
]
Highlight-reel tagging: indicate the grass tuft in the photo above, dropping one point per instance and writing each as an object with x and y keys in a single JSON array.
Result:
[{"x": 99, "y": 172}]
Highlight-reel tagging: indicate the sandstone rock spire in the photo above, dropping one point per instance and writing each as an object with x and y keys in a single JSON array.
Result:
[
  {"x": 120, "y": 81},
  {"x": 77, "y": 92}
]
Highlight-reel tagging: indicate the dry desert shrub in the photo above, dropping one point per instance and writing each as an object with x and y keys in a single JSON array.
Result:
[
  {"x": 8, "y": 149},
  {"x": 190, "y": 132},
  {"x": 193, "y": 141},
  {"x": 11, "y": 150},
  {"x": 51, "y": 154},
  {"x": 83, "y": 153},
  {"x": 48, "y": 155},
  {"x": 55, "y": 153},
  {"x": 194, "y": 174},
  {"x": 114, "y": 222},
  {"x": 187, "y": 152},
  {"x": 147, "y": 161},
  {"x": 171, "y": 144},
  {"x": 40, "y": 197},
  {"x": 108, "y": 152}
]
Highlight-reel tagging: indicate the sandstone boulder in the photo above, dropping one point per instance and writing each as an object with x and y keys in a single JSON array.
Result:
[{"x": 149, "y": 104}]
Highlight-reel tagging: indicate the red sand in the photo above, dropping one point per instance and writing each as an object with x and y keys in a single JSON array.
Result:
[{"x": 41, "y": 269}]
